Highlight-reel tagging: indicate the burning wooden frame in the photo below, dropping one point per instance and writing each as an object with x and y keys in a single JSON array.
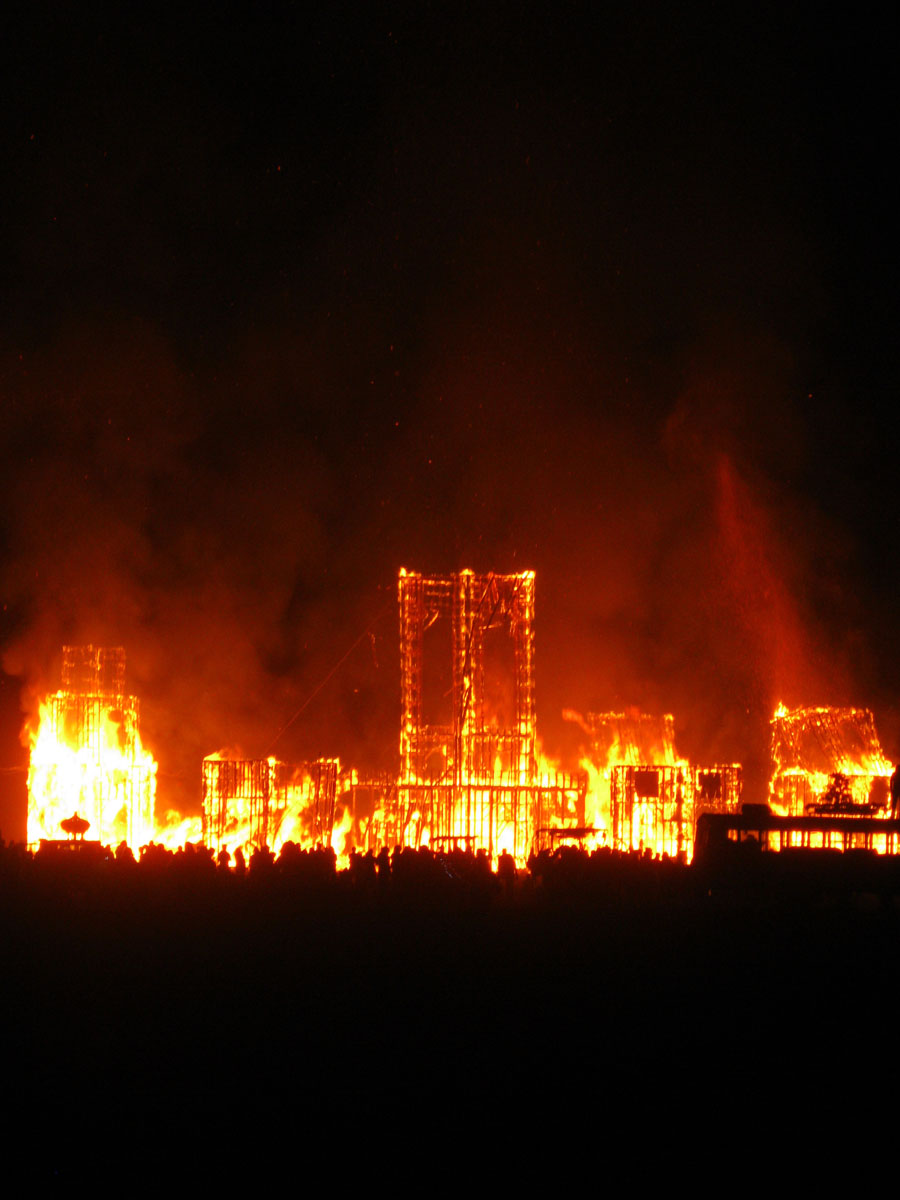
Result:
[{"x": 87, "y": 757}]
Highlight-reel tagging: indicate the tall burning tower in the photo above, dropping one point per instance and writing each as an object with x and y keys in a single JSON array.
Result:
[
  {"x": 86, "y": 754},
  {"x": 467, "y": 743}
]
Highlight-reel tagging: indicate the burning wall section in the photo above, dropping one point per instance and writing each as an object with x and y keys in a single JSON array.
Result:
[
  {"x": 263, "y": 802},
  {"x": 643, "y": 793},
  {"x": 87, "y": 756}
]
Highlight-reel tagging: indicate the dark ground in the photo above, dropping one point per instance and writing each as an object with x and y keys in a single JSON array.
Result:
[{"x": 621, "y": 1016}]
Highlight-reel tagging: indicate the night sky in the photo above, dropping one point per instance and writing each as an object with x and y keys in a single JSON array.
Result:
[{"x": 293, "y": 298}]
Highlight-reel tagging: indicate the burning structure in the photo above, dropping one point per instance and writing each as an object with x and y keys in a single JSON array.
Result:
[
  {"x": 86, "y": 754},
  {"x": 263, "y": 802},
  {"x": 469, "y": 765},
  {"x": 827, "y": 760},
  {"x": 643, "y": 793},
  {"x": 468, "y": 746},
  {"x": 829, "y": 792}
]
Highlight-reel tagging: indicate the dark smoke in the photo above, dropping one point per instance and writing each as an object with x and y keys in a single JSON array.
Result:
[{"x": 294, "y": 307}]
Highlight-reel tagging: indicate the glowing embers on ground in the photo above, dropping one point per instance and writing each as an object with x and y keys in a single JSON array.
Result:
[{"x": 87, "y": 757}]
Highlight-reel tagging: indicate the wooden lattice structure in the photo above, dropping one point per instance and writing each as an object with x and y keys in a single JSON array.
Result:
[
  {"x": 656, "y": 807},
  {"x": 258, "y": 802},
  {"x": 466, "y": 747},
  {"x": 98, "y": 767},
  {"x": 469, "y": 773},
  {"x": 645, "y": 794}
]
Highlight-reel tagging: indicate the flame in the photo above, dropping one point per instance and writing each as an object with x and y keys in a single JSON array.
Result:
[
  {"x": 175, "y": 831},
  {"x": 811, "y": 745},
  {"x": 641, "y": 795},
  {"x": 254, "y": 803},
  {"x": 342, "y": 839},
  {"x": 828, "y": 760},
  {"x": 87, "y": 758}
]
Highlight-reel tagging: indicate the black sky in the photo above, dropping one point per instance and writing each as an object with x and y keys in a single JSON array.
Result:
[{"x": 292, "y": 298}]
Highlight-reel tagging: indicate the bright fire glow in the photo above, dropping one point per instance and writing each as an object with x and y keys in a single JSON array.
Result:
[
  {"x": 641, "y": 795},
  {"x": 87, "y": 759},
  {"x": 254, "y": 803},
  {"x": 828, "y": 761}
]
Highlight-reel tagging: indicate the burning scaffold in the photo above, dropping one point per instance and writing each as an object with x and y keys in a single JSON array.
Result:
[
  {"x": 87, "y": 758},
  {"x": 468, "y": 748}
]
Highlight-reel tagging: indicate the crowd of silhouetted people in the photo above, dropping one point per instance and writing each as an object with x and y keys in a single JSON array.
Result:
[
  {"x": 454, "y": 872},
  {"x": 423, "y": 873}
]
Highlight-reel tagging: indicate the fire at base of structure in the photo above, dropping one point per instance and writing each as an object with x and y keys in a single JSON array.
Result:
[
  {"x": 262, "y": 802},
  {"x": 87, "y": 757},
  {"x": 656, "y": 807},
  {"x": 643, "y": 792}
]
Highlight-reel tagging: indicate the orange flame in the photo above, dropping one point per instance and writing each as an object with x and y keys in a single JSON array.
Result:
[{"x": 86, "y": 759}]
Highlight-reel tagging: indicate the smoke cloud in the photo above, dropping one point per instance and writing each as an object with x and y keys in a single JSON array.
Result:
[{"x": 281, "y": 330}]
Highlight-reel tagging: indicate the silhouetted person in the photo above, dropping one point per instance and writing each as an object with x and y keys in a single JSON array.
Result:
[
  {"x": 261, "y": 860},
  {"x": 506, "y": 872},
  {"x": 124, "y": 855}
]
